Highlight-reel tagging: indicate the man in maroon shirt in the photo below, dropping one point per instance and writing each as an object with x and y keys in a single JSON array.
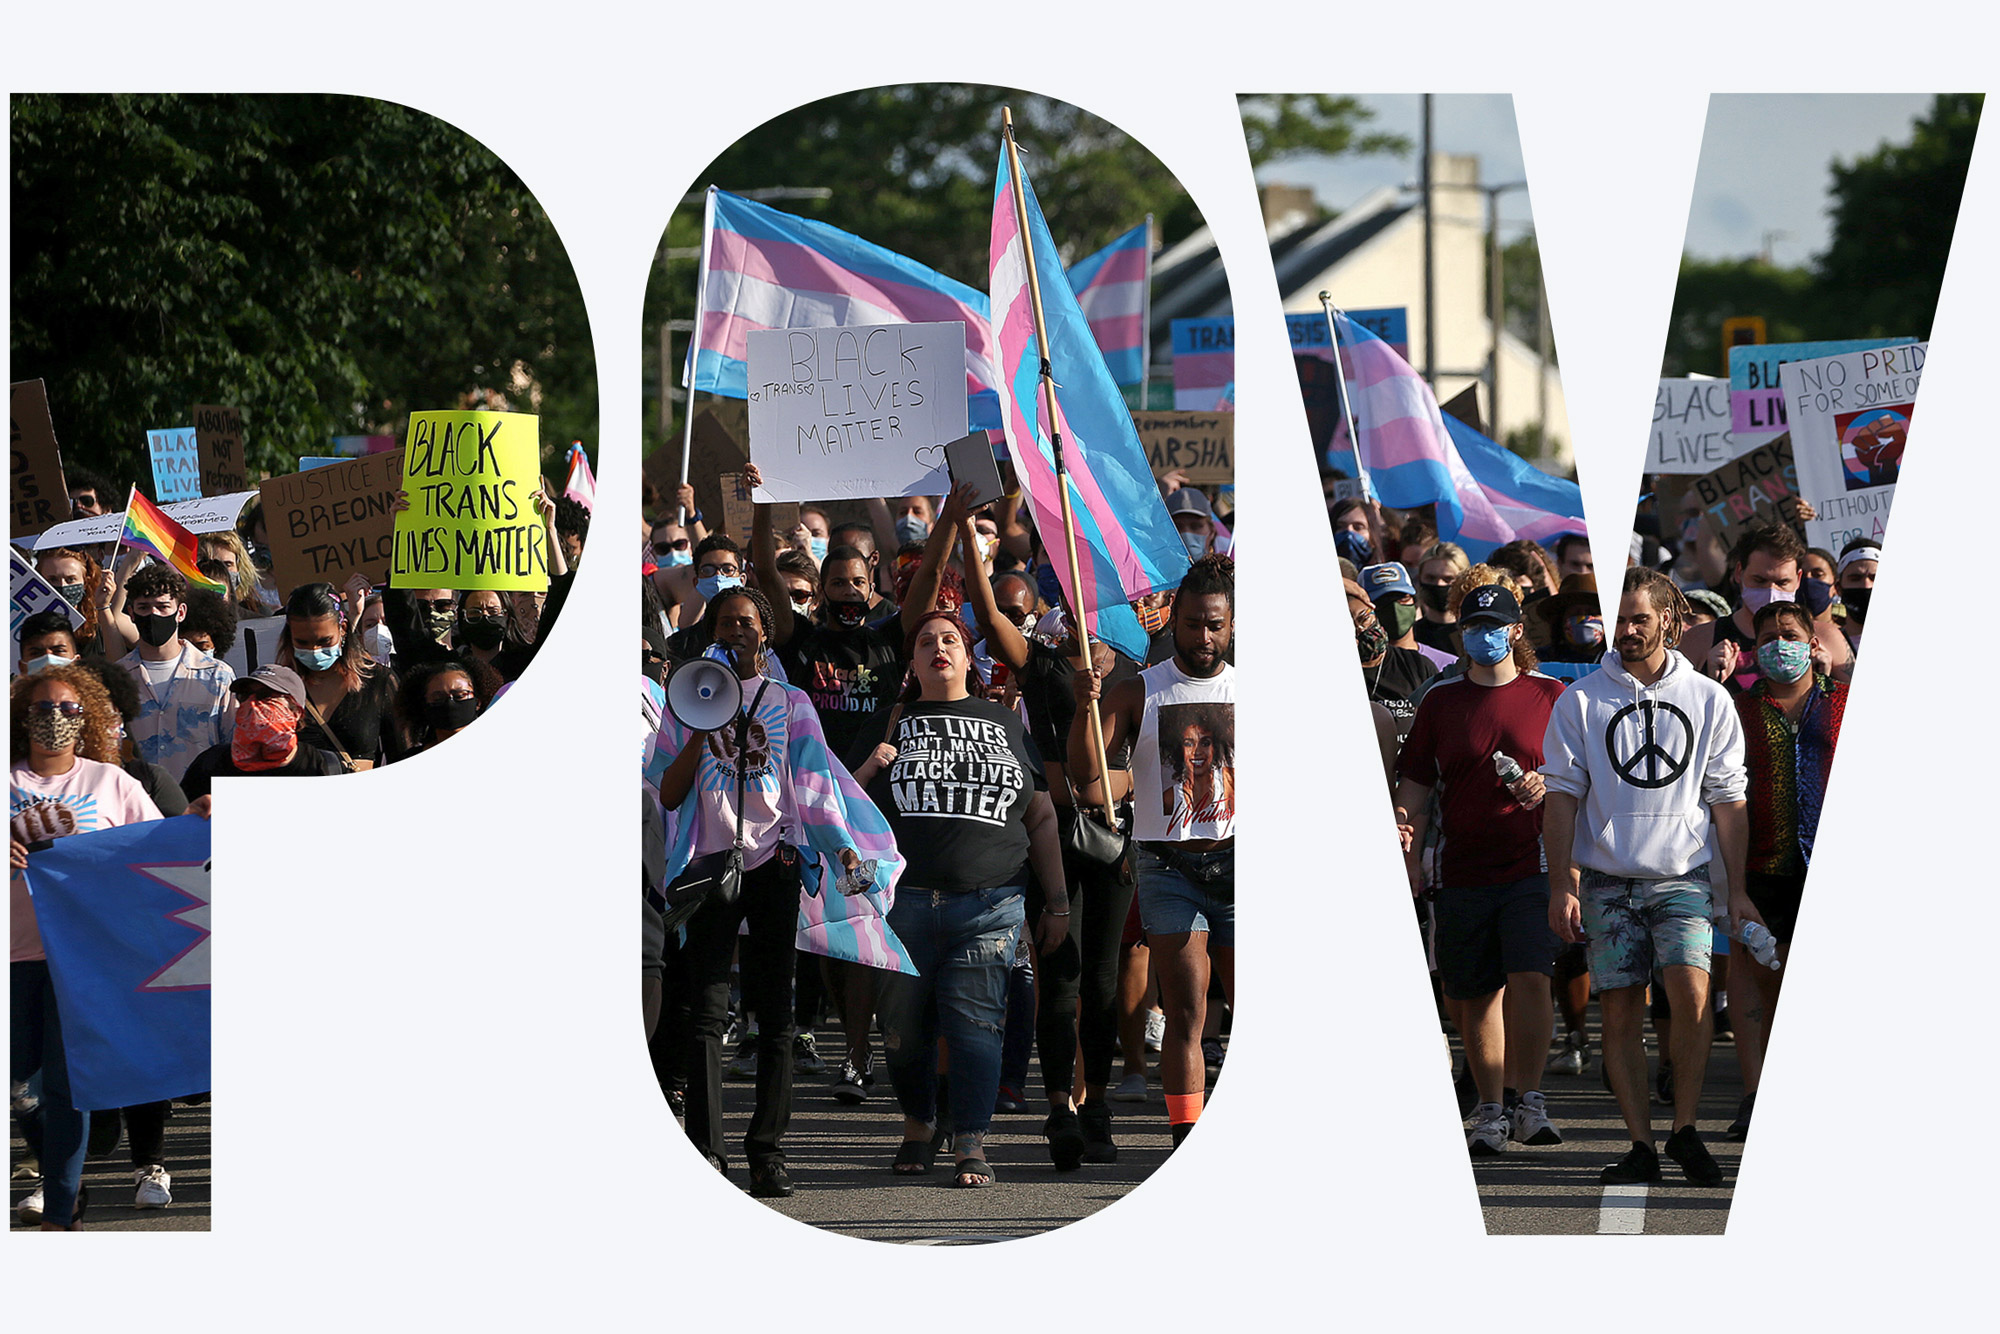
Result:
[{"x": 1495, "y": 950}]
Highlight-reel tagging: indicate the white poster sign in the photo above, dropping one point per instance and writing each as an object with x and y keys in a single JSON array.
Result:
[
  {"x": 256, "y": 644},
  {"x": 845, "y": 413},
  {"x": 1850, "y": 418},
  {"x": 1691, "y": 427},
  {"x": 204, "y": 514},
  {"x": 31, "y": 594}
]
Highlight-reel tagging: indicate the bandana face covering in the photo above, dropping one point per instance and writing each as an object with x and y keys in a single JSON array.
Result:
[
  {"x": 52, "y": 731},
  {"x": 266, "y": 733}
]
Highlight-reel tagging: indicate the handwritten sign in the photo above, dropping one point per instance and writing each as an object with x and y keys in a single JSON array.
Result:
[
  {"x": 470, "y": 523},
  {"x": 176, "y": 457},
  {"x": 218, "y": 434},
  {"x": 855, "y": 411},
  {"x": 1850, "y": 419},
  {"x": 1691, "y": 422},
  {"x": 334, "y": 522},
  {"x": 1756, "y": 394},
  {"x": 32, "y": 594},
  {"x": 1200, "y": 444},
  {"x": 204, "y": 514},
  {"x": 1760, "y": 488},
  {"x": 40, "y": 498}
]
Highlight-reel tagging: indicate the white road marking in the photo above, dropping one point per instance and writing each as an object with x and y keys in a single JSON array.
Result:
[{"x": 1623, "y": 1210}]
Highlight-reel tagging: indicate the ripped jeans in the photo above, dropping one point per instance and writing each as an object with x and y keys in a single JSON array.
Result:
[{"x": 962, "y": 946}]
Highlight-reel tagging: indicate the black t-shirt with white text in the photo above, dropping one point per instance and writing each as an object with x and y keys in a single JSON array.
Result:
[
  {"x": 957, "y": 794},
  {"x": 1394, "y": 680},
  {"x": 851, "y": 677}
]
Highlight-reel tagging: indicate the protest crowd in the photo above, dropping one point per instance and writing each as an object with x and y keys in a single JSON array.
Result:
[{"x": 126, "y": 708}]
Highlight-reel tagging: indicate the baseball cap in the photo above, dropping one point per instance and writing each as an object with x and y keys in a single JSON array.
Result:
[
  {"x": 1386, "y": 579},
  {"x": 1187, "y": 500},
  {"x": 279, "y": 680},
  {"x": 1492, "y": 603}
]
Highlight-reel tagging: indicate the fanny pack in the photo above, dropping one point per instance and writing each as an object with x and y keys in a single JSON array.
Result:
[{"x": 1214, "y": 872}]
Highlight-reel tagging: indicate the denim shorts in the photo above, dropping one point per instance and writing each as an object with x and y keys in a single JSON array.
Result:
[
  {"x": 1171, "y": 904},
  {"x": 1633, "y": 927}
]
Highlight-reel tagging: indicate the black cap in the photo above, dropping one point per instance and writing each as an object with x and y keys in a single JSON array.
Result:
[{"x": 1492, "y": 603}]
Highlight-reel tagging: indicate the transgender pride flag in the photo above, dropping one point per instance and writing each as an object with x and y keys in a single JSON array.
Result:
[
  {"x": 762, "y": 269},
  {"x": 1126, "y": 545},
  {"x": 1410, "y": 458},
  {"x": 1111, "y": 290}
]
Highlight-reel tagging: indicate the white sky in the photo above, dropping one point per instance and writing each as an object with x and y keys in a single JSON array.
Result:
[{"x": 1763, "y": 166}]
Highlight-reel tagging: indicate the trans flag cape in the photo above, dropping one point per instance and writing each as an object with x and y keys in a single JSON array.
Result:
[
  {"x": 827, "y": 811},
  {"x": 762, "y": 269},
  {"x": 1127, "y": 547},
  {"x": 1412, "y": 456},
  {"x": 124, "y": 918},
  {"x": 1110, "y": 289}
]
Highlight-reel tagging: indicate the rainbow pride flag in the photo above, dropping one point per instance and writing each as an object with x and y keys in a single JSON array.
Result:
[{"x": 148, "y": 528}]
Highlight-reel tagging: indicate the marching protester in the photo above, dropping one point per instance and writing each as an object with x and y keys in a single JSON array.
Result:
[{"x": 186, "y": 704}]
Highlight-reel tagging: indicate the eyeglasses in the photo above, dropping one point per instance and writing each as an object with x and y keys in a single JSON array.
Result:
[
  {"x": 440, "y": 604},
  {"x": 69, "y": 708},
  {"x": 720, "y": 571}
]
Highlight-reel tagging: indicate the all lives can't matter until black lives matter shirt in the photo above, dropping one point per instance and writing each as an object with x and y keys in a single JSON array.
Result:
[{"x": 957, "y": 794}]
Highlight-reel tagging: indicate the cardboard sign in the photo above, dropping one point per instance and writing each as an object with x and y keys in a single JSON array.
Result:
[
  {"x": 1691, "y": 425},
  {"x": 176, "y": 455},
  {"x": 1760, "y": 488},
  {"x": 1204, "y": 363},
  {"x": 1201, "y": 445},
  {"x": 32, "y": 594},
  {"x": 470, "y": 523},
  {"x": 204, "y": 514},
  {"x": 40, "y": 497},
  {"x": 739, "y": 509},
  {"x": 334, "y": 522},
  {"x": 1850, "y": 418},
  {"x": 1756, "y": 392},
  {"x": 218, "y": 434},
  {"x": 855, "y": 411}
]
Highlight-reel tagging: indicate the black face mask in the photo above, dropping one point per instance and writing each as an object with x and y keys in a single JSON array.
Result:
[
  {"x": 157, "y": 630},
  {"x": 1435, "y": 596},
  {"x": 485, "y": 634},
  {"x": 448, "y": 715},
  {"x": 1856, "y": 601},
  {"x": 847, "y": 615}
]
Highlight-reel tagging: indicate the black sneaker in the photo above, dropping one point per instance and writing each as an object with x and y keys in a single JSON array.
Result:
[
  {"x": 851, "y": 1084},
  {"x": 1097, "y": 1143},
  {"x": 770, "y": 1181},
  {"x": 1684, "y": 1146},
  {"x": 1640, "y": 1163},
  {"x": 1740, "y": 1127}
]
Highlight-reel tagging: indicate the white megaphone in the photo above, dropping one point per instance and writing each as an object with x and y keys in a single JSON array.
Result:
[{"x": 704, "y": 693}]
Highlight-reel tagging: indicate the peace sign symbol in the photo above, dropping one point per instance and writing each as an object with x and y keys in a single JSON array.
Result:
[{"x": 1652, "y": 765}]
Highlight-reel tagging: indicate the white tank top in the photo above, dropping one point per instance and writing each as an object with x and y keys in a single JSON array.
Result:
[{"x": 1184, "y": 763}]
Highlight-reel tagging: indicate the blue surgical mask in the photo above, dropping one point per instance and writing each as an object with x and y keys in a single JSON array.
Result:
[
  {"x": 673, "y": 558},
  {"x": 1487, "y": 644},
  {"x": 47, "y": 660},
  {"x": 1196, "y": 544},
  {"x": 817, "y": 545},
  {"x": 1354, "y": 546},
  {"x": 910, "y": 528},
  {"x": 711, "y": 585},
  {"x": 1784, "y": 660},
  {"x": 316, "y": 659}
]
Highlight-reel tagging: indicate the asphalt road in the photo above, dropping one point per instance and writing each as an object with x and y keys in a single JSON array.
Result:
[
  {"x": 838, "y": 1158},
  {"x": 1556, "y": 1190},
  {"x": 109, "y": 1180}
]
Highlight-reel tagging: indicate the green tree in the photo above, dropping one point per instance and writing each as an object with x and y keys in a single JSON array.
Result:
[
  {"x": 1277, "y": 126},
  {"x": 326, "y": 264}
]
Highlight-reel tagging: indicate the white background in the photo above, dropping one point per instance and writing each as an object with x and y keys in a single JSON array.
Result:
[{"x": 433, "y": 1102}]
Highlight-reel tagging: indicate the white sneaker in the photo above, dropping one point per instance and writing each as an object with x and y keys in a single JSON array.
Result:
[
  {"x": 1569, "y": 1060},
  {"x": 1488, "y": 1135},
  {"x": 29, "y": 1211},
  {"x": 1132, "y": 1088},
  {"x": 1531, "y": 1124},
  {"x": 152, "y": 1187},
  {"x": 1156, "y": 1029}
]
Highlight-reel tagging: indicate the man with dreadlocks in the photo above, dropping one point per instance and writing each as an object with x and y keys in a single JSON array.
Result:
[{"x": 1649, "y": 752}]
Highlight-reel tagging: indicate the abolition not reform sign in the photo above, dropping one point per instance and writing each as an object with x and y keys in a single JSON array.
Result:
[{"x": 471, "y": 522}]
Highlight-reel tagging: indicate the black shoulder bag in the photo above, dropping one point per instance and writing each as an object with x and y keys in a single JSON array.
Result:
[
  {"x": 1083, "y": 833},
  {"x": 715, "y": 877}
]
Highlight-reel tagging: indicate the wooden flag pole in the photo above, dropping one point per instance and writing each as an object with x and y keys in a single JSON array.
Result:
[{"x": 1056, "y": 446}]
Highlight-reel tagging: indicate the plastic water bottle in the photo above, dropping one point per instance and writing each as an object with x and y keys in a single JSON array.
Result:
[
  {"x": 1763, "y": 946},
  {"x": 1504, "y": 765}
]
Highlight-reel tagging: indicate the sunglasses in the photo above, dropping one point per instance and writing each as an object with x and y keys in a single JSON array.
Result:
[
  {"x": 662, "y": 548},
  {"x": 440, "y": 604},
  {"x": 69, "y": 708}
]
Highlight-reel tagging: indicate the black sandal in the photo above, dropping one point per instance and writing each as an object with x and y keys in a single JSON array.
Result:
[
  {"x": 915, "y": 1158},
  {"x": 978, "y": 1169},
  {"x": 1064, "y": 1132}
]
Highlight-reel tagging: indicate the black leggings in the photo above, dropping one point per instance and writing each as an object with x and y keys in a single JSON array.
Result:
[{"x": 1084, "y": 968}]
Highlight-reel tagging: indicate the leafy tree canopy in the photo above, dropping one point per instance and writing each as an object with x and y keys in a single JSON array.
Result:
[{"x": 1277, "y": 126}]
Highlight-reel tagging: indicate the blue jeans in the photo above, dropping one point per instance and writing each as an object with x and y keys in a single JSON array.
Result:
[
  {"x": 962, "y": 945},
  {"x": 56, "y": 1132}
]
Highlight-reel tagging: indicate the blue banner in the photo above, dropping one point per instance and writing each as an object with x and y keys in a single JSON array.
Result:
[{"x": 124, "y": 917}]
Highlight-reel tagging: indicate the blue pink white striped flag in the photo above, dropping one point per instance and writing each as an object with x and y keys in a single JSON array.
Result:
[
  {"x": 762, "y": 269},
  {"x": 1126, "y": 545},
  {"x": 1204, "y": 365},
  {"x": 580, "y": 485},
  {"x": 1110, "y": 289}
]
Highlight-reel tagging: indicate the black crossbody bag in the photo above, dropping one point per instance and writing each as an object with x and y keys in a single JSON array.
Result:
[
  {"x": 1084, "y": 834},
  {"x": 715, "y": 877}
]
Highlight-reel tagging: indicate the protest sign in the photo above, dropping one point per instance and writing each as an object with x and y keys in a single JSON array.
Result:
[
  {"x": 31, "y": 594},
  {"x": 1691, "y": 424},
  {"x": 1201, "y": 445},
  {"x": 333, "y": 522},
  {"x": 1756, "y": 393},
  {"x": 1204, "y": 363},
  {"x": 1311, "y": 337},
  {"x": 204, "y": 514},
  {"x": 256, "y": 644},
  {"x": 218, "y": 435},
  {"x": 354, "y": 446},
  {"x": 1850, "y": 418},
  {"x": 40, "y": 497},
  {"x": 307, "y": 462},
  {"x": 1761, "y": 488},
  {"x": 738, "y": 511},
  {"x": 855, "y": 411},
  {"x": 176, "y": 455},
  {"x": 471, "y": 523}
]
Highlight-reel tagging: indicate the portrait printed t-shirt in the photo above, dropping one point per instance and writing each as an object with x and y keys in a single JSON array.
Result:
[
  {"x": 957, "y": 794},
  {"x": 98, "y": 796},
  {"x": 852, "y": 677},
  {"x": 1184, "y": 761}
]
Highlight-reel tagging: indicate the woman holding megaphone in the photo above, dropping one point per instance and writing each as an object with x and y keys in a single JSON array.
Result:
[{"x": 751, "y": 771}]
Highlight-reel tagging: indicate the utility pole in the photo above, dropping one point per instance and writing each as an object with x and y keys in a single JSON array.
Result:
[{"x": 1430, "y": 260}]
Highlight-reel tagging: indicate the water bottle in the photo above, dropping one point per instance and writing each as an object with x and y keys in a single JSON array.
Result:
[
  {"x": 1504, "y": 765},
  {"x": 1763, "y": 946}
]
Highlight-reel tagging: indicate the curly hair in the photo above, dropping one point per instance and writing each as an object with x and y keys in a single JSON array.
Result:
[
  {"x": 765, "y": 618},
  {"x": 156, "y": 581},
  {"x": 213, "y": 615},
  {"x": 1478, "y": 576},
  {"x": 410, "y": 714},
  {"x": 1212, "y": 574},
  {"x": 100, "y": 716}
]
